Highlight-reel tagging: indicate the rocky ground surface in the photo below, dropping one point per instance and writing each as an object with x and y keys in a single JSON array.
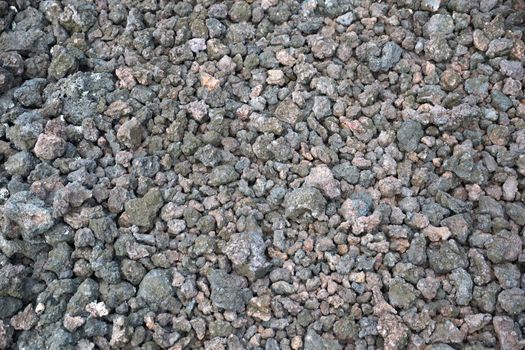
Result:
[{"x": 262, "y": 174}]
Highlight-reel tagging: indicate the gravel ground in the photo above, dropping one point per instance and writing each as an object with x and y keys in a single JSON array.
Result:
[{"x": 262, "y": 174}]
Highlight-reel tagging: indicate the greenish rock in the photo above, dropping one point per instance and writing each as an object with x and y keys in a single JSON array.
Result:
[
  {"x": 347, "y": 172},
  {"x": 156, "y": 286},
  {"x": 516, "y": 211},
  {"x": 203, "y": 245},
  {"x": 437, "y": 49},
  {"x": 447, "y": 256},
  {"x": 401, "y": 294},
  {"x": 26, "y": 129},
  {"x": 223, "y": 175},
  {"x": 62, "y": 64},
  {"x": 104, "y": 229},
  {"x": 441, "y": 24},
  {"x": 304, "y": 201},
  {"x": 209, "y": 155},
  {"x": 505, "y": 246},
  {"x": 220, "y": 328},
  {"x": 114, "y": 295},
  {"x": 240, "y": 11},
  {"x": 409, "y": 135},
  {"x": 143, "y": 211}
]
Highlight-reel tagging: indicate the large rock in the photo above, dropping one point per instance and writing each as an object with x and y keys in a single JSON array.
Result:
[
  {"x": 228, "y": 291},
  {"x": 321, "y": 177},
  {"x": 446, "y": 257},
  {"x": 156, "y": 286},
  {"x": 49, "y": 147},
  {"x": 87, "y": 292},
  {"x": 246, "y": 251},
  {"x": 512, "y": 300},
  {"x": 409, "y": 135},
  {"x": 223, "y": 175},
  {"x": 304, "y": 201},
  {"x": 507, "y": 332},
  {"x": 505, "y": 246},
  {"x": 143, "y": 211},
  {"x": 463, "y": 165},
  {"x": 29, "y": 213},
  {"x": 289, "y": 112}
]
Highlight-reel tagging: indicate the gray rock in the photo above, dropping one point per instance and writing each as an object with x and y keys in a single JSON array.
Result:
[
  {"x": 391, "y": 54},
  {"x": 130, "y": 133},
  {"x": 508, "y": 275},
  {"x": 87, "y": 292},
  {"x": 304, "y": 201},
  {"x": 446, "y": 257},
  {"x": 9, "y": 306},
  {"x": 512, "y": 300},
  {"x": 347, "y": 172},
  {"x": 143, "y": 211},
  {"x": 209, "y": 155},
  {"x": 20, "y": 164},
  {"x": 516, "y": 211},
  {"x": 246, "y": 251},
  {"x": 223, "y": 175},
  {"x": 156, "y": 286},
  {"x": 288, "y": 112},
  {"x": 488, "y": 205},
  {"x": 463, "y": 165},
  {"x": 313, "y": 341},
  {"x": 322, "y": 106},
  {"x": 505, "y": 246},
  {"x": 438, "y": 49},
  {"x": 409, "y": 135},
  {"x": 228, "y": 291},
  {"x": 463, "y": 283},
  {"x": 477, "y": 85},
  {"x": 439, "y": 24},
  {"x": 430, "y": 5},
  {"x": 29, "y": 213},
  {"x": 500, "y": 101},
  {"x": 30, "y": 93}
]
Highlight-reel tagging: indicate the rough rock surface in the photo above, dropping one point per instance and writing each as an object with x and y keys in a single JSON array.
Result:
[{"x": 262, "y": 174}]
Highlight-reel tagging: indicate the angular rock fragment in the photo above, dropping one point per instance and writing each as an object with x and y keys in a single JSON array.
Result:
[
  {"x": 304, "y": 201},
  {"x": 143, "y": 211}
]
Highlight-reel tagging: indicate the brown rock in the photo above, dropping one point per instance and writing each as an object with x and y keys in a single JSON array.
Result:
[{"x": 49, "y": 147}]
